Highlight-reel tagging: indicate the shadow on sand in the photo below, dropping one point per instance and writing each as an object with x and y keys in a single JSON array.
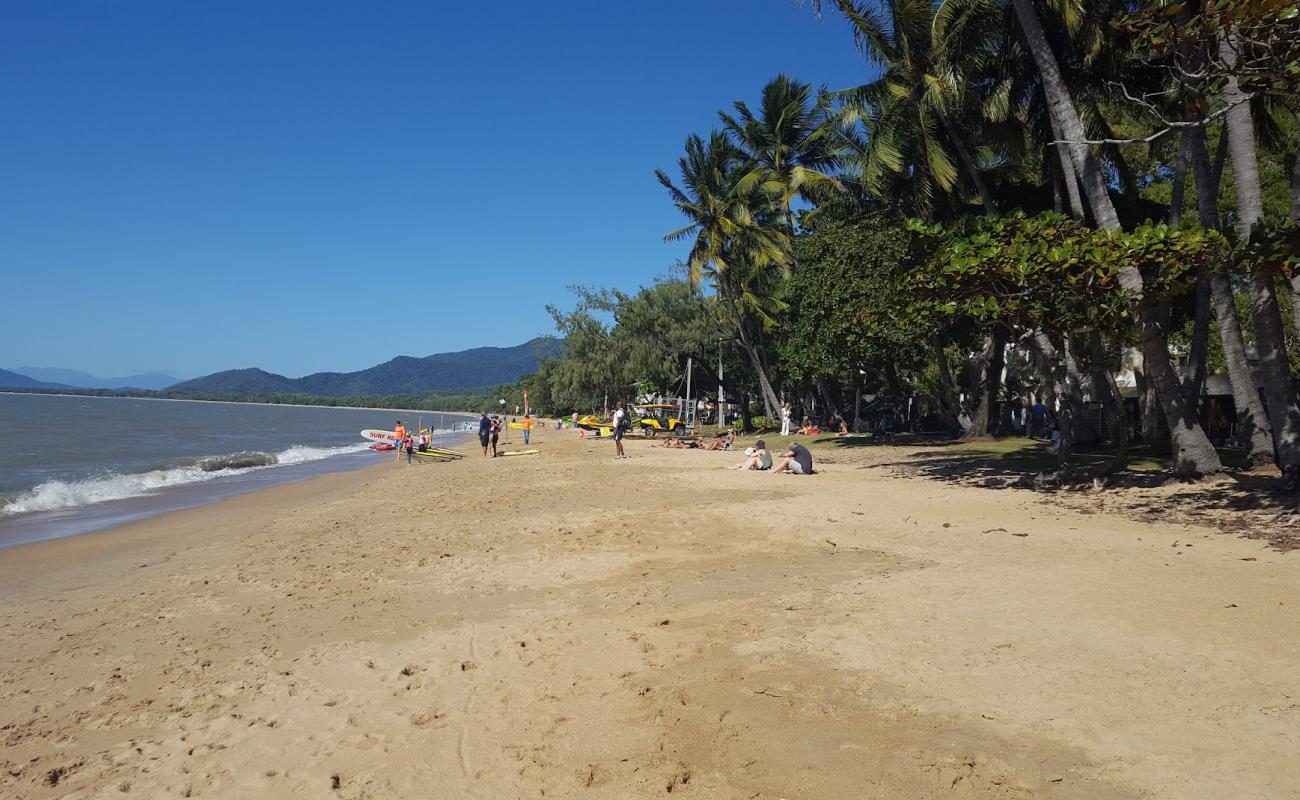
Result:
[{"x": 1245, "y": 503}]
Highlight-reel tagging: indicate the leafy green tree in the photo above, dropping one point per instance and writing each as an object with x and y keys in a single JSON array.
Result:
[{"x": 841, "y": 316}]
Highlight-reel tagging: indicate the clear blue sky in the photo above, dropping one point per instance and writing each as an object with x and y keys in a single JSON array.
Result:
[{"x": 306, "y": 186}]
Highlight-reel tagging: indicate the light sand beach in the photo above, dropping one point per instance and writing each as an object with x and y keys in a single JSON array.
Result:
[{"x": 564, "y": 625}]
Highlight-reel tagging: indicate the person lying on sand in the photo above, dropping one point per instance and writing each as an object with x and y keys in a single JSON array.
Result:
[
  {"x": 722, "y": 442},
  {"x": 795, "y": 461},
  {"x": 683, "y": 443},
  {"x": 757, "y": 457}
]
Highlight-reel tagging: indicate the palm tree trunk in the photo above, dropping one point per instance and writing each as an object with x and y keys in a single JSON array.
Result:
[
  {"x": 1193, "y": 452},
  {"x": 1194, "y": 374},
  {"x": 1274, "y": 366},
  {"x": 1074, "y": 382},
  {"x": 993, "y": 361},
  {"x": 1295, "y": 220},
  {"x": 972, "y": 169},
  {"x": 1054, "y": 369},
  {"x": 1180, "y": 182},
  {"x": 1066, "y": 168},
  {"x": 949, "y": 400},
  {"x": 1220, "y": 159},
  {"x": 1107, "y": 390},
  {"x": 770, "y": 404},
  {"x": 1253, "y": 430}
]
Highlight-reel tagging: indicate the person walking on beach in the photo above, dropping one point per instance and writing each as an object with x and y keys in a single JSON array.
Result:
[
  {"x": 620, "y": 424},
  {"x": 787, "y": 412},
  {"x": 409, "y": 443},
  {"x": 484, "y": 432},
  {"x": 495, "y": 432},
  {"x": 399, "y": 433},
  {"x": 528, "y": 427}
]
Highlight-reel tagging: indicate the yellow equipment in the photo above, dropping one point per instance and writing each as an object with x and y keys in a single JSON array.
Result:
[{"x": 657, "y": 418}]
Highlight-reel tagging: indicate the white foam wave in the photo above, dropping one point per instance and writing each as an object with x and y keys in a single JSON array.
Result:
[{"x": 55, "y": 495}]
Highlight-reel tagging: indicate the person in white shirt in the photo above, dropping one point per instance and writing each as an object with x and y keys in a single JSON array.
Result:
[
  {"x": 618, "y": 424},
  {"x": 787, "y": 411}
]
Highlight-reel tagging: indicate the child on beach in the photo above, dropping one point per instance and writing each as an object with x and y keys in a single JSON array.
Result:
[
  {"x": 409, "y": 444},
  {"x": 528, "y": 427}
]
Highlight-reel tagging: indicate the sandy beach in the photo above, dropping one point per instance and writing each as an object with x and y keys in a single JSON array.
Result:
[{"x": 564, "y": 625}]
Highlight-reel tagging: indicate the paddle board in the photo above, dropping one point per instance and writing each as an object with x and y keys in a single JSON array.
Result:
[
  {"x": 438, "y": 452},
  {"x": 519, "y": 452},
  {"x": 434, "y": 456},
  {"x": 380, "y": 436}
]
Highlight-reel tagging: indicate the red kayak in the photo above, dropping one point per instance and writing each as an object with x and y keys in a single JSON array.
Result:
[{"x": 382, "y": 446}]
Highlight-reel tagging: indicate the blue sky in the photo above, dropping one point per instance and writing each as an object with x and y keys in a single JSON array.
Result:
[{"x": 306, "y": 186}]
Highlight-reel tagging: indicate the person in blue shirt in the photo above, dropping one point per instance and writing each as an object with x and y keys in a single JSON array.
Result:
[{"x": 484, "y": 431}]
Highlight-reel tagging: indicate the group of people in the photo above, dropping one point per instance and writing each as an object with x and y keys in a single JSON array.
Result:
[
  {"x": 409, "y": 442},
  {"x": 809, "y": 428},
  {"x": 797, "y": 460},
  {"x": 489, "y": 431}
]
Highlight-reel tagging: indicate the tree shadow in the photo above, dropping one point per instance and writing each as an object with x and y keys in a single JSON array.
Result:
[
  {"x": 894, "y": 440},
  {"x": 1245, "y": 503}
]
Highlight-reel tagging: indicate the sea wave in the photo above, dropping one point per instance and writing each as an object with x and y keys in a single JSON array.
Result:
[{"x": 56, "y": 494}]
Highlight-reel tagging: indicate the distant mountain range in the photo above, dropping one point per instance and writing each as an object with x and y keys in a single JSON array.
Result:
[
  {"x": 13, "y": 380},
  {"x": 478, "y": 368},
  {"x": 83, "y": 380}
]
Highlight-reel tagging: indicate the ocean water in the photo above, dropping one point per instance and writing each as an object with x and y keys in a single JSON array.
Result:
[{"x": 72, "y": 465}]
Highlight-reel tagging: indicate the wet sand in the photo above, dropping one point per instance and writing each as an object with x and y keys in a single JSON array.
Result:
[{"x": 564, "y": 625}]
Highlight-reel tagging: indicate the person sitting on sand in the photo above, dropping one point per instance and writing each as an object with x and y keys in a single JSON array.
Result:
[
  {"x": 722, "y": 442},
  {"x": 844, "y": 429},
  {"x": 757, "y": 457},
  {"x": 795, "y": 461}
]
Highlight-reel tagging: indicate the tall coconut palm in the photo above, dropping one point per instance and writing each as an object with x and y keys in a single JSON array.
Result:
[
  {"x": 915, "y": 112},
  {"x": 1193, "y": 452},
  {"x": 788, "y": 142},
  {"x": 1274, "y": 366},
  {"x": 737, "y": 241},
  {"x": 1254, "y": 432}
]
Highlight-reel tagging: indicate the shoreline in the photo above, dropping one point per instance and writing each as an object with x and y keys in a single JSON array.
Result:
[
  {"x": 106, "y": 517},
  {"x": 571, "y": 625}
]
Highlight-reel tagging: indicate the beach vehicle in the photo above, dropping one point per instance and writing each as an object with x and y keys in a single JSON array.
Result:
[{"x": 657, "y": 418}]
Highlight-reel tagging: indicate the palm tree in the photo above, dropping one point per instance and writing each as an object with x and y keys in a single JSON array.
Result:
[
  {"x": 915, "y": 112},
  {"x": 1193, "y": 452},
  {"x": 738, "y": 240},
  {"x": 787, "y": 141},
  {"x": 1274, "y": 366}
]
